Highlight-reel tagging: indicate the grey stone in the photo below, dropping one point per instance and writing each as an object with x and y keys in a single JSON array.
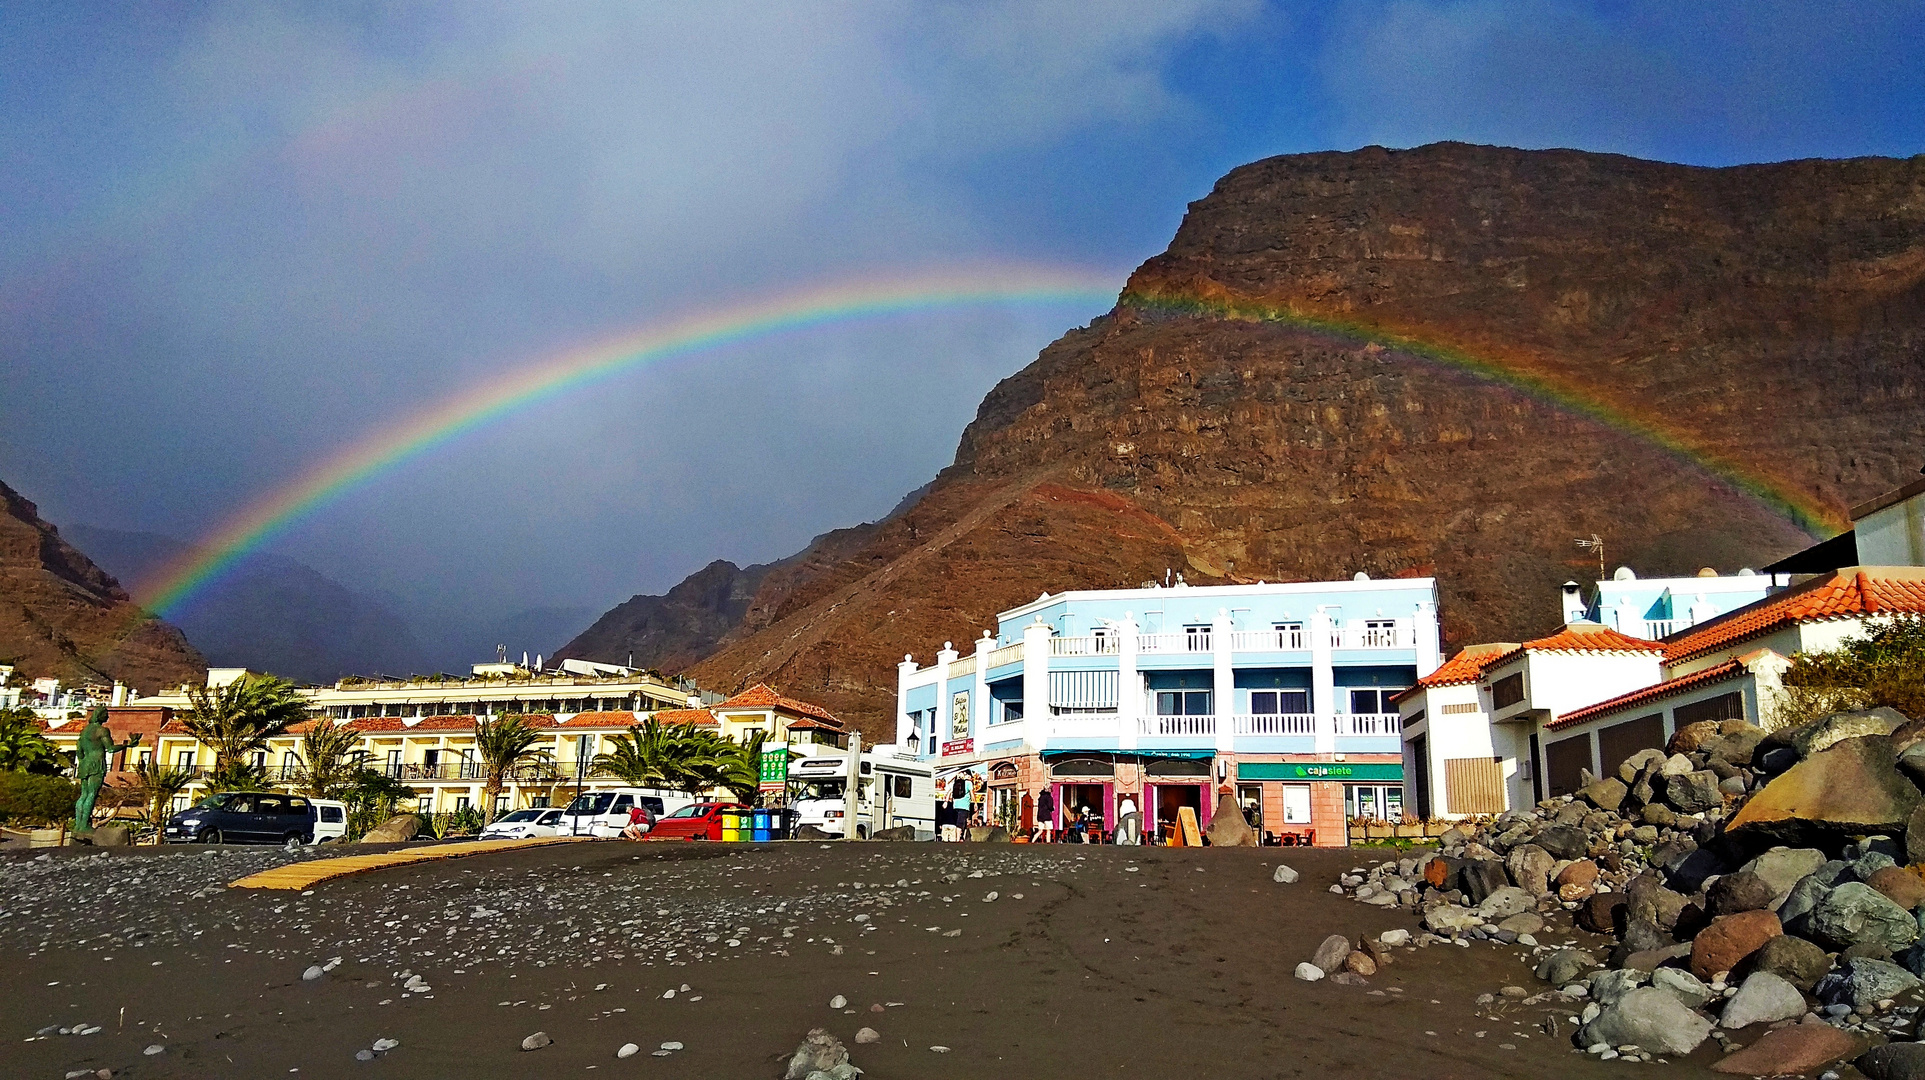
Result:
[
  {"x": 1836, "y": 728},
  {"x": 1871, "y": 862},
  {"x": 822, "y": 1052},
  {"x": 1506, "y": 902},
  {"x": 1331, "y": 954},
  {"x": 1855, "y": 913},
  {"x": 1531, "y": 867},
  {"x": 312, "y": 973},
  {"x": 1648, "y": 757},
  {"x": 1763, "y": 998},
  {"x": 1284, "y": 875},
  {"x": 1893, "y": 1061},
  {"x": 1606, "y": 794},
  {"x": 536, "y": 1041},
  {"x": 1864, "y": 981},
  {"x": 1675, "y": 765},
  {"x": 1649, "y": 1017},
  {"x": 1450, "y": 919},
  {"x": 1483, "y": 877},
  {"x": 1781, "y": 868},
  {"x": 1524, "y": 922},
  {"x": 1647, "y": 899},
  {"x": 1609, "y": 985},
  {"x": 1742, "y": 891},
  {"x": 1564, "y": 966},
  {"x": 1683, "y": 985},
  {"x": 1694, "y": 792},
  {"x": 1395, "y": 938},
  {"x": 1564, "y": 842},
  {"x": 1794, "y": 960},
  {"x": 1309, "y": 972}
]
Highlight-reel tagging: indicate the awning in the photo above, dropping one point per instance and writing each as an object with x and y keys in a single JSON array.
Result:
[{"x": 1134, "y": 755}]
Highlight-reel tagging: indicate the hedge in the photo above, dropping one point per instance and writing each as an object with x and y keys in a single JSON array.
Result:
[{"x": 30, "y": 799}]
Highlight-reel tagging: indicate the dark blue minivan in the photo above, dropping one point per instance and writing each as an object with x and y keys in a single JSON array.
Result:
[{"x": 244, "y": 817}]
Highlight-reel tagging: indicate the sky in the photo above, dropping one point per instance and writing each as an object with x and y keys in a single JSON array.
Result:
[{"x": 236, "y": 238}]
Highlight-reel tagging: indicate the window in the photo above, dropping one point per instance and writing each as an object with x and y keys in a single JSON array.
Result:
[
  {"x": 333, "y": 814},
  {"x": 394, "y": 763},
  {"x": 1196, "y": 638},
  {"x": 290, "y": 763},
  {"x": 1012, "y": 710},
  {"x": 1380, "y": 633},
  {"x": 425, "y": 805},
  {"x": 1296, "y": 804},
  {"x": 184, "y": 761},
  {"x": 1723, "y": 707},
  {"x": 1363, "y": 702},
  {"x": 1073, "y": 692},
  {"x": 1183, "y": 702},
  {"x": 461, "y": 804},
  {"x": 270, "y": 804},
  {"x": 902, "y": 786},
  {"x": 1273, "y": 702},
  {"x": 1289, "y": 635},
  {"x": 1507, "y": 691}
]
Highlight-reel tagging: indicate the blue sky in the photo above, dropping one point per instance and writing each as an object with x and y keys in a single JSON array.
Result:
[{"x": 238, "y": 236}]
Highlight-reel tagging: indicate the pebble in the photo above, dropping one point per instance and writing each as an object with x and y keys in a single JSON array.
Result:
[
  {"x": 312, "y": 973},
  {"x": 940, "y": 1049},
  {"x": 364, "y": 1055},
  {"x": 838, "y": 1002},
  {"x": 536, "y": 1041},
  {"x": 868, "y": 1035},
  {"x": 156, "y": 1048},
  {"x": 382, "y": 1046},
  {"x": 628, "y": 1050},
  {"x": 671, "y": 1047}
]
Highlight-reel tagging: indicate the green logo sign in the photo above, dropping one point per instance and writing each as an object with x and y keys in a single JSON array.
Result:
[{"x": 775, "y": 765}]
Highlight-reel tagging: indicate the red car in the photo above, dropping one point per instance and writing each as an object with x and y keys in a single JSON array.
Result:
[{"x": 702, "y": 821}]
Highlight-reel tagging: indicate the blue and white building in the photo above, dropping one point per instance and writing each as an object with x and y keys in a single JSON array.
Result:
[{"x": 1154, "y": 695}]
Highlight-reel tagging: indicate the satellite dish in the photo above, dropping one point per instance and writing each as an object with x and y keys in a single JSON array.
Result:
[
  {"x": 1624, "y": 573},
  {"x": 1360, "y": 576},
  {"x": 1747, "y": 572},
  {"x": 1707, "y": 571}
]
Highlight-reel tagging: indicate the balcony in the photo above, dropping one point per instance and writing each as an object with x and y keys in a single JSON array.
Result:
[
  {"x": 1176, "y": 725},
  {"x": 1277, "y": 724},
  {"x": 1083, "y": 726},
  {"x": 1269, "y": 640},
  {"x": 1369, "y": 724},
  {"x": 1183, "y": 641},
  {"x": 1098, "y": 645}
]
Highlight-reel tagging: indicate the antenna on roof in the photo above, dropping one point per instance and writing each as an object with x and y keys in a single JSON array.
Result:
[{"x": 1594, "y": 543}]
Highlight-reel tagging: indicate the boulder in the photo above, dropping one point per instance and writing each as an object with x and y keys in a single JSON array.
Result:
[
  {"x": 398, "y": 829},
  {"x": 1694, "y": 792},
  {"x": 1330, "y": 955},
  {"x": 1863, "y": 981},
  {"x": 1524, "y": 922},
  {"x": 1742, "y": 891},
  {"x": 1639, "y": 936},
  {"x": 1653, "y": 959},
  {"x": 1649, "y": 1017},
  {"x": 1915, "y": 826},
  {"x": 1610, "y": 985},
  {"x": 1855, "y": 913},
  {"x": 108, "y": 836},
  {"x": 1228, "y": 828},
  {"x": 1658, "y": 815},
  {"x": 1822, "y": 735},
  {"x": 1646, "y": 898},
  {"x": 1692, "y": 737},
  {"x": 1850, "y": 789},
  {"x": 1564, "y": 842},
  {"x": 996, "y": 834},
  {"x": 1581, "y": 872},
  {"x": 1736, "y": 746},
  {"x": 1676, "y": 765},
  {"x": 1443, "y": 873},
  {"x": 1720, "y": 946},
  {"x": 1600, "y": 914},
  {"x": 1360, "y": 963},
  {"x": 1483, "y": 877},
  {"x": 1893, "y": 1061},
  {"x": 1564, "y": 966},
  {"x": 1649, "y": 757},
  {"x": 1506, "y": 902},
  {"x": 1683, "y": 985},
  {"x": 1871, "y": 862},
  {"x": 1763, "y": 998},
  {"x": 1606, "y": 794},
  {"x": 1801, "y": 1049},
  {"x": 899, "y": 833},
  {"x": 1530, "y": 867},
  {"x": 1449, "y": 919},
  {"x": 1794, "y": 960},
  {"x": 1900, "y": 884},
  {"x": 1781, "y": 868}
]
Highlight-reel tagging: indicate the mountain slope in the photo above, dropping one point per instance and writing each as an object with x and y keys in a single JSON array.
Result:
[
  {"x": 1451, "y": 360},
  {"x": 61, "y": 615}
]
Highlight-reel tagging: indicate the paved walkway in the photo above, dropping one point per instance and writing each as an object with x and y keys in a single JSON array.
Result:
[{"x": 306, "y": 874}]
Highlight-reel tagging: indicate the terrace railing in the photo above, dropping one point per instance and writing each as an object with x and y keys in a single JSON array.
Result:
[
  {"x": 1177, "y": 725},
  {"x": 1369, "y": 724},
  {"x": 1277, "y": 724}
]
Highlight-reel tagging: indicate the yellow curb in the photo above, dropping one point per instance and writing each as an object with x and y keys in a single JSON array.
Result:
[{"x": 303, "y": 875}]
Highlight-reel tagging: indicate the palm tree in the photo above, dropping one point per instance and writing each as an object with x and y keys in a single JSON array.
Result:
[
  {"x": 22, "y": 747},
  {"x": 238, "y": 719},
  {"x": 156, "y": 784},
  {"x": 647, "y": 756},
  {"x": 331, "y": 758},
  {"x": 741, "y": 770},
  {"x": 504, "y": 745}
]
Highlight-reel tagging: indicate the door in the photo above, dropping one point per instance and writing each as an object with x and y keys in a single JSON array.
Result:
[
  {"x": 1169, "y": 798},
  {"x": 272, "y": 821},
  {"x": 237, "y": 819},
  {"x": 1250, "y": 799}
]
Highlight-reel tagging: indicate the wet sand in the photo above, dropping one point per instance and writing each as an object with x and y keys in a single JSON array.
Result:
[{"x": 1181, "y": 966}]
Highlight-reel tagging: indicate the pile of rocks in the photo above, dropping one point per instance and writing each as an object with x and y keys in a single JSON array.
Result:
[{"x": 1747, "y": 880}]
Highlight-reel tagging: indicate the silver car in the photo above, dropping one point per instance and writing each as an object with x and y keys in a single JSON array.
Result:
[{"x": 523, "y": 824}]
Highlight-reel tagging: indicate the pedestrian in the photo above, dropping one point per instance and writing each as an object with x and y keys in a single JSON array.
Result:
[
  {"x": 1125, "y": 807},
  {"x": 638, "y": 825},
  {"x": 1046, "y": 816}
]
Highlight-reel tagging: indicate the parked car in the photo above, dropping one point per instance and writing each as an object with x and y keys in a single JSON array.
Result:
[
  {"x": 605, "y": 813},
  {"x": 701, "y": 821},
  {"x": 522, "y": 824},
  {"x": 261, "y": 817},
  {"x": 330, "y": 820}
]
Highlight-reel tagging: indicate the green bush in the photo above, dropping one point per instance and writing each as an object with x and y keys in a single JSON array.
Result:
[{"x": 32, "y": 799}]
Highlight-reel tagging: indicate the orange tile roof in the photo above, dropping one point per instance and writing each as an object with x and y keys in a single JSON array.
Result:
[
  {"x": 760, "y": 696},
  {"x": 698, "y": 717},
  {"x": 1730, "y": 669},
  {"x": 1580, "y": 640},
  {"x": 612, "y": 718},
  {"x": 1849, "y": 593},
  {"x": 1466, "y": 667}
]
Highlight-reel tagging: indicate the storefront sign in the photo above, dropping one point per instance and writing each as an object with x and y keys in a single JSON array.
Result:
[
  {"x": 1319, "y": 770},
  {"x": 959, "y": 746},
  {"x": 775, "y": 766}
]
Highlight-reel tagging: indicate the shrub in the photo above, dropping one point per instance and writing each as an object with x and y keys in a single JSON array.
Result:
[{"x": 32, "y": 799}]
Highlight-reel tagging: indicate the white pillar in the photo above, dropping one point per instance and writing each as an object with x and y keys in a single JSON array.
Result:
[
  {"x": 1223, "y": 682},
  {"x": 943, "y": 659},
  {"x": 1129, "y": 684},
  {"x": 903, "y": 672},
  {"x": 979, "y": 720},
  {"x": 1036, "y": 716},
  {"x": 1323, "y": 682},
  {"x": 1429, "y": 643}
]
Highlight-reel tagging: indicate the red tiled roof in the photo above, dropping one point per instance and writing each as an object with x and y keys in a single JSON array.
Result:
[
  {"x": 1730, "y": 669},
  {"x": 698, "y": 717},
  {"x": 615, "y": 718},
  {"x": 760, "y": 696},
  {"x": 808, "y": 723},
  {"x": 1466, "y": 667},
  {"x": 445, "y": 723},
  {"x": 1579, "y": 639},
  {"x": 1853, "y": 592}
]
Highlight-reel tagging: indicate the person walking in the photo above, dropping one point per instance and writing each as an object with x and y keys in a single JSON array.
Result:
[{"x": 1046, "y": 816}]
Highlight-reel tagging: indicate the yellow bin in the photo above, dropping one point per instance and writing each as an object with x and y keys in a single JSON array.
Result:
[{"x": 732, "y": 826}]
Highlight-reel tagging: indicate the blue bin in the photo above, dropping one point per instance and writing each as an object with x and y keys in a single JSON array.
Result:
[{"x": 763, "y": 826}]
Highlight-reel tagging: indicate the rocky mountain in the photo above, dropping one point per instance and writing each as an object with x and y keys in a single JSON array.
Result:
[
  {"x": 61, "y": 615},
  {"x": 271, "y": 614},
  {"x": 1445, "y": 361}
]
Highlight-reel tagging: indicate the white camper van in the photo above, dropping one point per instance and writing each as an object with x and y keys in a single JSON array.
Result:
[{"x": 894, "y": 791}]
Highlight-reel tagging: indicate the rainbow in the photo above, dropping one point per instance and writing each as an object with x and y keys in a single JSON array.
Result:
[
  {"x": 386, "y": 449},
  {"x": 1783, "y": 497}
]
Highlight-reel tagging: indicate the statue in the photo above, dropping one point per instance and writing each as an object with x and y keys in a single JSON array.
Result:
[{"x": 91, "y": 752}]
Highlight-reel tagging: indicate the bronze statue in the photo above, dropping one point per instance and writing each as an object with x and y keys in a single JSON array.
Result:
[{"x": 91, "y": 752}]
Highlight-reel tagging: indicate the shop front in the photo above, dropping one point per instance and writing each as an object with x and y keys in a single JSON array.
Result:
[{"x": 1313, "y": 802}]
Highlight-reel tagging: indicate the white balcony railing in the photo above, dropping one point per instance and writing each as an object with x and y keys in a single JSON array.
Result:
[
  {"x": 1008, "y": 654},
  {"x": 1269, "y": 640},
  {"x": 1659, "y": 628},
  {"x": 1098, "y": 645},
  {"x": 1194, "y": 641},
  {"x": 1083, "y": 726},
  {"x": 1277, "y": 724},
  {"x": 1177, "y": 725},
  {"x": 1369, "y": 724}
]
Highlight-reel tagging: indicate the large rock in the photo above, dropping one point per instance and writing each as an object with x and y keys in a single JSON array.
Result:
[
  {"x": 1857, "y": 914},
  {"x": 396, "y": 830},
  {"x": 1893, "y": 1061},
  {"x": 1742, "y": 891},
  {"x": 1229, "y": 827},
  {"x": 1900, "y": 884},
  {"x": 1450, "y": 919},
  {"x": 1608, "y": 987},
  {"x": 1443, "y": 873},
  {"x": 1639, "y": 936},
  {"x": 1648, "y": 758},
  {"x": 1694, "y": 792},
  {"x": 1798, "y": 1050},
  {"x": 1794, "y": 960},
  {"x": 1863, "y": 981},
  {"x": 1483, "y": 877},
  {"x": 1652, "y": 1018},
  {"x": 1506, "y": 902},
  {"x": 1530, "y": 867},
  {"x": 1915, "y": 825},
  {"x": 1735, "y": 743},
  {"x": 1606, "y": 794},
  {"x": 1851, "y": 789},
  {"x": 1781, "y": 868},
  {"x": 1646, "y": 898},
  {"x": 1564, "y": 966},
  {"x": 1600, "y": 914},
  {"x": 1721, "y": 946},
  {"x": 1822, "y": 735},
  {"x": 1683, "y": 985},
  {"x": 1564, "y": 842},
  {"x": 1763, "y": 998},
  {"x": 1330, "y": 955},
  {"x": 1691, "y": 737}
]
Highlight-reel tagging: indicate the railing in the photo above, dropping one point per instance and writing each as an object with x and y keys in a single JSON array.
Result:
[
  {"x": 963, "y": 668},
  {"x": 1083, "y": 726},
  {"x": 1008, "y": 654},
  {"x": 1099, "y": 645},
  {"x": 1659, "y": 628},
  {"x": 1370, "y": 637},
  {"x": 1198, "y": 641},
  {"x": 1268, "y": 640},
  {"x": 1369, "y": 724},
  {"x": 1277, "y": 724},
  {"x": 1177, "y": 725}
]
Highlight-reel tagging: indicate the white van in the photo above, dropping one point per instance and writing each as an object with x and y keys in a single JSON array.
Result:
[
  {"x": 895, "y": 791},
  {"x": 604, "y": 813},
  {"x": 330, "y": 820}
]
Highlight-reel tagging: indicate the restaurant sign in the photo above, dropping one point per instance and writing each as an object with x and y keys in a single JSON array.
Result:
[
  {"x": 958, "y": 746},
  {"x": 1319, "y": 770}
]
